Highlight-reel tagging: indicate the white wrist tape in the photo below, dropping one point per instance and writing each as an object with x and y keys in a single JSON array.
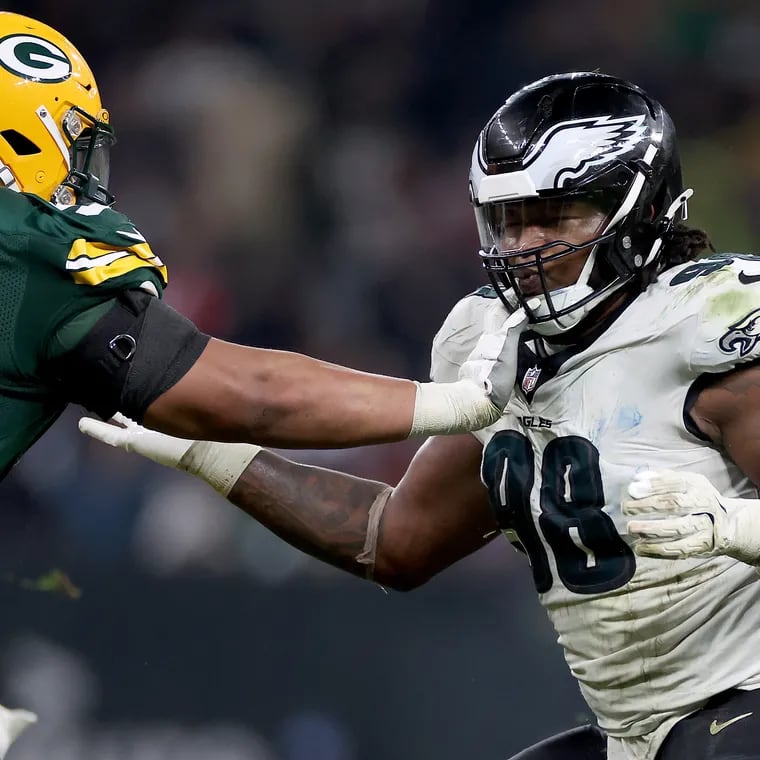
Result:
[
  {"x": 458, "y": 407},
  {"x": 219, "y": 464}
]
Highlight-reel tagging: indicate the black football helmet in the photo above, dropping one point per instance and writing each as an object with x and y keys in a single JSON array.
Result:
[{"x": 577, "y": 136}]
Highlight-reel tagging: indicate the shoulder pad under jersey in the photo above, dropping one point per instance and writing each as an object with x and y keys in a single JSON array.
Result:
[
  {"x": 94, "y": 245},
  {"x": 723, "y": 292},
  {"x": 458, "y": 335}
]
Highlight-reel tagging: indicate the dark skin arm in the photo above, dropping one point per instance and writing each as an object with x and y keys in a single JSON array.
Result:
[
  {"x": 728, "y": 412},
  {"x": 282, "y": 399},
  {"x": 437, "y": 514}
]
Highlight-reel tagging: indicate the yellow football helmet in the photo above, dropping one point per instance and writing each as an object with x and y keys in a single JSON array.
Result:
[{"x": 54, "y": 132}]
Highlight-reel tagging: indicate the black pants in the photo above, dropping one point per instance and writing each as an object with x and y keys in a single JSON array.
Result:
[
  {"x": 584, "y": 743},
  {"x": 726, "y": 728}
]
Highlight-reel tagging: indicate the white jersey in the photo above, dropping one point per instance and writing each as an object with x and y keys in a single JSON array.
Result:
[{"x": 648, "y": 640}]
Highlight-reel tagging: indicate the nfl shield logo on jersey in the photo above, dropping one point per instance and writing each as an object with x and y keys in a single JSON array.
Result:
[{"x": 530, "y": 379}]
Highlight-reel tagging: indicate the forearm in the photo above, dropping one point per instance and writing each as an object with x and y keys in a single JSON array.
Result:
[
  {"x": 288, "y": 400},
  {"x": 321, "y": 512},
  {"x": 305, "y": 402},
  {"x": 399, "y": 537},
  {"x": 352, "y": 408}
]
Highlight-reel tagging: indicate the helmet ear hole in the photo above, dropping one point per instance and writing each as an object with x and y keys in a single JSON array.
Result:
[{"x": 19, "y": 143}]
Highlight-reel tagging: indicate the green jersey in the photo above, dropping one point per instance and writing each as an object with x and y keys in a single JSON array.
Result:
[{"x": 60, "y": 270}]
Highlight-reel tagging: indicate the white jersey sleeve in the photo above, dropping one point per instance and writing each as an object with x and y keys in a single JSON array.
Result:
[
  {"x": 727, "y": 326},
  {"x": 458, "y": 335}
]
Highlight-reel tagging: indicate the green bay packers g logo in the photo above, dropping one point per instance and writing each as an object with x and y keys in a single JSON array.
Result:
[{"x": 34, "y": 58}]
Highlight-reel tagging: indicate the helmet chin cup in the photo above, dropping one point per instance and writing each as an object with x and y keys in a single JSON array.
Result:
[
  {"x": 546, "y": 323},
  {"x": 562, "y": 324}
]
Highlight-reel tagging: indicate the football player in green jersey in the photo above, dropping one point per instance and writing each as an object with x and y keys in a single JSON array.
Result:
[{"x": 81, "y": 317}]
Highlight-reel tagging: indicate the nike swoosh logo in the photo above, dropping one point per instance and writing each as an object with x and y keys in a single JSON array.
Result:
[
  {"x": 748, "y": 279},
  {"x": 716, "y": 728}
]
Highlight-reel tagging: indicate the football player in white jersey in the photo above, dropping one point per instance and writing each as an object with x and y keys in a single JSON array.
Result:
[{"x": 637, "y": 396}]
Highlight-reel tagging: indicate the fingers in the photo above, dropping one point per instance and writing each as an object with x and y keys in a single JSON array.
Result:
[
  {"x": 667, "y": 491},
  {"x": 676, "y": 538},
  {"x": 688, "y": 547},
  {"x": 653, "y": 482},
  {"x": 123, "y": 420},
  {"x": 12, "y": 723},
  {"x": 516, "y": 319},
  {"x": 684, "y": 548},
  {"x": 102, "y": 431},
  {"x": 497, "y": 319},
  {"x": 668, "y": 529},
  {"x": 488, "y": 347},
  {"x": 667, "y": 503},
  {"x": 519, "y": 318}
]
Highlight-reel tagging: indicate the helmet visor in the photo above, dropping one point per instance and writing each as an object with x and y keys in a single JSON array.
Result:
[
  {"x": 90, "y": 140},
  {"x": 92, "y": 155},
  {"x": 541, "y": 244}
]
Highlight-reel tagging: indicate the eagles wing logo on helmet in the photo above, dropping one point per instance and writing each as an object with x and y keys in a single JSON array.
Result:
[
  {"x": 744, "y": 335},
  {"x": 570, "y": 148},
  {"x": 34, "y": 58}
]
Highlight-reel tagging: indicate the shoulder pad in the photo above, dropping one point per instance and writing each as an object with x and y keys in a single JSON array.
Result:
[
  {"x": 97, "y": 245},
  {"x": 724, "y": 294},
  {"x": 458, "y": 335}
]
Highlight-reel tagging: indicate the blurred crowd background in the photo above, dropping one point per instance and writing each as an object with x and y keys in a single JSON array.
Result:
[{"x": 302, "y": 168}]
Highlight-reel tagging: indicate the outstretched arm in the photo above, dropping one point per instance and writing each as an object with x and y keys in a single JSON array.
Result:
[
  {"x": 399, "y": 537},
  {"x": 140, "y": 357},
  {"x": 437, "y": 514},
  {"x": 284, "y": 399}
]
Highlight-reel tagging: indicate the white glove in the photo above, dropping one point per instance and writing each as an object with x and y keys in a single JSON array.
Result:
[
  {"x": 486, "y": 380},
  {"x": 219, "y": 464},
  {"x": 12, "y": 723},
  {"x": 493, "y": 362},
  {"x": 686, "y": 517}
]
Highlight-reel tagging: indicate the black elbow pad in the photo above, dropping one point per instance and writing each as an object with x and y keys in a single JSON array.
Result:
[{"x": 135, "y": 352}]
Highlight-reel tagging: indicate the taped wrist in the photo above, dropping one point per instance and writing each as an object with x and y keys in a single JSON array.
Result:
[
  {"x": 219, "y": 464},
  {"x": 442, "y": 408}
]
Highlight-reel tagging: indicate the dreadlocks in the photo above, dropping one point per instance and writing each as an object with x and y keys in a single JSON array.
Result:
[{"x": 684, "y": 244}]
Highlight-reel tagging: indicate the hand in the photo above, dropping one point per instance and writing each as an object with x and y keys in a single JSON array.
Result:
[
  {"x": 128, "y": 435},
  {"x": 686, "y": 517},
  {"x": 219, "y": 464},
  {"x": 493, "y": 362},
  {"x": 12, "y": 723}
]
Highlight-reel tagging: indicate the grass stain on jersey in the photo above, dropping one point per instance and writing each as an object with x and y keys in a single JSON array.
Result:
[{"x": 731, "y": 306}]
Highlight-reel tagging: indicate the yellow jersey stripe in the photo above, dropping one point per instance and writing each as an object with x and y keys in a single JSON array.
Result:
[{"x": 93, "y": 263}]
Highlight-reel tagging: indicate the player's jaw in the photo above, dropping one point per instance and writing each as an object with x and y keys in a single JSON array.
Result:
[{"x": 555, "y": 274}]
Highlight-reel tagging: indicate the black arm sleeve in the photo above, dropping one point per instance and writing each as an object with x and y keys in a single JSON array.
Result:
[{"x": 135, "y": 352}]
